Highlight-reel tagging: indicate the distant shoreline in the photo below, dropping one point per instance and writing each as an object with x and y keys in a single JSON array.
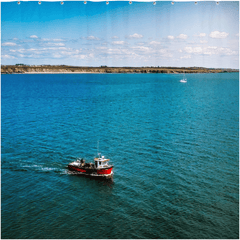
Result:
[
  {"x": 62, "y": 69},
  {"x": 56, "y": 72}
]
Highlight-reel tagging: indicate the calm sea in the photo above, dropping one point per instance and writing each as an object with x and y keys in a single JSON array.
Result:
[{"x": 175, "y": 148}]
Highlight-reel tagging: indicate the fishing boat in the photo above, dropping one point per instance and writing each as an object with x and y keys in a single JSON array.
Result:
[{"x": 99, "y": 168}]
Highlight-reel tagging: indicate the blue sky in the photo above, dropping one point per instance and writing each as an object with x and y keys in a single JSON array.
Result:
[{"x": 184, "y": 34}]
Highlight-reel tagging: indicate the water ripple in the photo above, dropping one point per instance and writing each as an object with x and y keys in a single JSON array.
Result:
[{"x": 174, "y": 148}]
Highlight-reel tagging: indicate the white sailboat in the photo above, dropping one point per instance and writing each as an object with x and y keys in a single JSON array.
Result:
[{"x": 184, "y": 80}]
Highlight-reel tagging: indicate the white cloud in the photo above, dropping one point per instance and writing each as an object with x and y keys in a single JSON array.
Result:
[
  {"x": 118, "y": 42},
  {"x": 23, "y": 50},
  {"x": 210, "y": 50},
  {"x": 133, "y": 52},
  {"x": 116, "y": 53},
  {"x": 101, "y": 48},
  {"x": 186, "y": 56},
  {"x": 180, "y": 50},
  {"x": 141, "y": 48},
  {"x": 54, "y": 52},
  {"x": 217, "y": 34},
  {"x": 168, "y": 55},
  {"x": 8, "y": 56},
  {"x": 71, "y": 52},
  {"x": 53, "y": 44},
  {"x": 212, "y": 47},
  {"x": 154, "y": 43},
  {"x": 62, "y": 48},
  {"x": 113, "y": 51},
  {"x": 170, "y": 37},
  {"x": 200, "y": 35},
  {"x": 31, "y": 49},
  {"x": 141, "y": 43},
  {"x": 135, "y": 35},
  {"x": 58, "y": 40},
  {"x": 182, "y": 36},
  {"x": 51, "y": 40},
  {"x": 115, "y": 37},
  {"x": 59, "y": 44},
  {"x": 34, "y": 36},
  {"x": 82, "y": 56},
  {"x": 227, "y": 51},
  {"x": 203, "y": 41},
  {"x": 45, "y": 39},
  {"x": 92, "y": 38},
  {"x": 49, "y": 48},
  {"x": 163, "y": 51},
  {"x": 9, "y": 44},
  {"x": 188, "y": 49},
  {"x": 57, "y": 55},
  {"x": 193, "y": 50}
]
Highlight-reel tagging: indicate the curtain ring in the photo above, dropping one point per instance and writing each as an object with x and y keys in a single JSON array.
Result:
[
  {"x": 107, "y": 3},
  {"x": 172, "y": 3},
  {"x": 39, "y": 3},
  {"x": 130, "y": 2},
  {"x": 18, "y": 2},
  {"x": 61, "y": 3},
  {"x": 85, "y": 2},
  {"x": 154, "y": 3}
]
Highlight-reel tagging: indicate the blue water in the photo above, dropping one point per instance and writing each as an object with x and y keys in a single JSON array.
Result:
[{"x": 174, "y": 147}]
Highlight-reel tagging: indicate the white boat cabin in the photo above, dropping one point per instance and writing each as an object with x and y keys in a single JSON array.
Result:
[{"x": 101, "y": 161}]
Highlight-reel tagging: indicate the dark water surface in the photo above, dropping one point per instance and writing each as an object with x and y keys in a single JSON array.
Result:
[{"x": 174, "y": 147}]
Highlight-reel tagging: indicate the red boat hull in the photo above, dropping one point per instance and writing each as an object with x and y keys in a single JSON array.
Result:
[
  {"x": 104, "y": 171},
  {"x": 95, "y": 172},
  {"x": 76, "y": 169}
]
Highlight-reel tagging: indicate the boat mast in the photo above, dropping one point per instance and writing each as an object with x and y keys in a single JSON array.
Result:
[{"x": 98, "y": 154}]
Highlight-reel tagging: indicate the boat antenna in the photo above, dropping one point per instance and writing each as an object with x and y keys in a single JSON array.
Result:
[{"x": 98, "y": 148}]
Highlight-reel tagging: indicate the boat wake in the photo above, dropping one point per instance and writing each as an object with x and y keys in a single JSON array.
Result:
[{"x": 41, "y": 168}]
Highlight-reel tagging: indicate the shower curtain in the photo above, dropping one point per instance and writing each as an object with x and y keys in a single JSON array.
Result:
[{"x": 153, "y": 86}]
